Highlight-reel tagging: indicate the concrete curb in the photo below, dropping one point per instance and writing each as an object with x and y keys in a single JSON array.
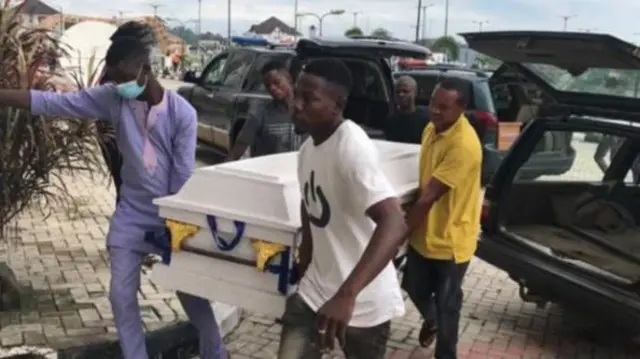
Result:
[{"x": 179, "y": 341}]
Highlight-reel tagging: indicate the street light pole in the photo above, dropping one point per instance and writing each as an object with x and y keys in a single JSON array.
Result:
[
  {"x": 446, "y": 18},
  {"x": 199, "y": 29},
  {"x": 424, "y": 20},
  {"x": 228, "y": 22},
  {"x": 480, "y": 24},
  {"x": 565, "y": 19},
  {"x": 295, "y": 15},
  {"x": 155, "y": 9},
  {"x": 418, "y": 21},
  {"x": 321, "y": 17}
]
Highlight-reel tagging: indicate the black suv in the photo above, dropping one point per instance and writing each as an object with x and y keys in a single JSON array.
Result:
[
  {"x": 500, "y": 97},
  {"x": 230, "y": 86},
  {"x": 571, "y": 238}
]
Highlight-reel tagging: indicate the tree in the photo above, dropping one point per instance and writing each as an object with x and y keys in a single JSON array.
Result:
[
  {"x": 185, "y": 34},
  {"x": 381, "y": 33},
  {"x": 354, "y": 31},
  {"x": 487, "y": 62},
  {"x": 448, "y": 45},
  {"x": 34, "y": 151}
]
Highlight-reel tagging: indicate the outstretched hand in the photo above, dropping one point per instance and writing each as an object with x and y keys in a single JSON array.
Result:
[{"x": 333, "y": 320}]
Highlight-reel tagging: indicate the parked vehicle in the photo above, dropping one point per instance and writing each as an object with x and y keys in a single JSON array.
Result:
[
  {"x": 570, "y": 238},
  {"x": 504, "y": 96},
  {"x": 230, "y": 86}
]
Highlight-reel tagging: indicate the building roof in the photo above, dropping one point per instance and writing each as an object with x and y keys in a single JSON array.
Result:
[
  {"x": 270, "y": 25},
  {"x": 37, "y": 7}
]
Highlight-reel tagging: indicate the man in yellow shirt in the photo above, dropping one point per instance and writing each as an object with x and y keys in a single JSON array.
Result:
[{"x": 445, "y": 220}]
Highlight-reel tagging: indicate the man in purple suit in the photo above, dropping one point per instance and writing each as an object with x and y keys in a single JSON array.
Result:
[{"x": 156, "y": 134}]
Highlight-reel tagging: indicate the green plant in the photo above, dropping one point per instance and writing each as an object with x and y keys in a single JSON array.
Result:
[
  {"x": 36, "y": 151},
  {"x": 353, "y": 31},
  {"x": 448, "y": 45},
  {"x": 382, "y": 33}
]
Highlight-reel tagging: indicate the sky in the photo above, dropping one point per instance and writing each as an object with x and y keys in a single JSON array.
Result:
[{"x": 615, "y": 17}]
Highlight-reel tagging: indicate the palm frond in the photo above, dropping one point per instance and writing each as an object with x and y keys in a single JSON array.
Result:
[{"x": 36, "y": 150}]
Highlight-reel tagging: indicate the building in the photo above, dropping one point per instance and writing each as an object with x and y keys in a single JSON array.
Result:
[
  {"x": 275, "y": 30},
  {"x": 33, "y": 11},
  {"x": 39, "y": 14}
]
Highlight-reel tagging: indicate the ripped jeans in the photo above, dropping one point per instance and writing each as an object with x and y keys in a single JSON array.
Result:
[{"x": 435, "y": 288}]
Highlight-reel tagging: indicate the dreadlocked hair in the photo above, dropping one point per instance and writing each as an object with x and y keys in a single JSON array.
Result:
[
  {"x": 130, "y": 33},
  {"x": 125, "y": 49},
  {"x": 136, "y": 29}
]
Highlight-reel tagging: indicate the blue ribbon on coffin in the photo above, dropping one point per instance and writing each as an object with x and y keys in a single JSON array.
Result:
[
  {"x": 161, "y": 239},
  {"x": 287, "y": 275},
  {"x": 223, "y": 244}
]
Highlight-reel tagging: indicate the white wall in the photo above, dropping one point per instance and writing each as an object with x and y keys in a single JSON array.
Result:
[{"x": 86, "y": 43}]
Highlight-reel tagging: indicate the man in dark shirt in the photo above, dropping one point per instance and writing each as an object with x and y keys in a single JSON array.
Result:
[
  {"x": 408, "y": 122},
  {"x": 270, "y": 129}
]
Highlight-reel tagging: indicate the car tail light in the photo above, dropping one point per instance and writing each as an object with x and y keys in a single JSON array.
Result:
[
  {"x": 486, "y": 207},
  {"x": 488, "y": 119},
  {"x": 489, "y": 123}
]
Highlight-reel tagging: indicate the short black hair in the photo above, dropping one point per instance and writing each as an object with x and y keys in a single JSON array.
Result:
[
  {"x": 272, "y": 65},
  {"x": 459, "y": 86},
  {"x": 333, "y": 71},
  {"x": 126, "y": 48}
]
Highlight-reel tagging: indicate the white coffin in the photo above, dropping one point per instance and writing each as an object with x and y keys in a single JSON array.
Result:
[{"x": 263, "y": 194}]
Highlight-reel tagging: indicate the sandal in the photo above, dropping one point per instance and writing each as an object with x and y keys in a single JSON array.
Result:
[{"x": 427, "y": 335}]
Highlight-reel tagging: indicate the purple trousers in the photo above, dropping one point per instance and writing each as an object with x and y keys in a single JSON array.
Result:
[{"x": 123, "y": 295}]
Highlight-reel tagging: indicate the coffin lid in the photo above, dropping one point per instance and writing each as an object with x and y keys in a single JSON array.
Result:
[{"x": 264, "y": 190}]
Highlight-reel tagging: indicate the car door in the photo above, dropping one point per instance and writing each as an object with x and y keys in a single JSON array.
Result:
[
  {"x": 254, "y": 93},
  {"x": 203, "y": 94},
  {"x": 223, "y": 102}
]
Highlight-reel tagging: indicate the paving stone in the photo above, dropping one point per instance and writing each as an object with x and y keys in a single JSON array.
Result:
[{"x": 64, "y": 261}]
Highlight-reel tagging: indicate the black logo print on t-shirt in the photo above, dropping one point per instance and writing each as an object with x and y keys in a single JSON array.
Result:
[{"x": 317, "y": 195}]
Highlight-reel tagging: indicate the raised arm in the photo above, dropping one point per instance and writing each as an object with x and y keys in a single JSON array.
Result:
[
  {"x": 183, "y": 148},
  {"x": 89, "y": 103}
]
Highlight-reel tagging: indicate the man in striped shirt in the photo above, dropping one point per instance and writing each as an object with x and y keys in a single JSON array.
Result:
[{"x": 270, "y": 129}]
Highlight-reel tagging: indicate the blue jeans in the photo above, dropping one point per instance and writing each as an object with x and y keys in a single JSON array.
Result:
[{"x": 299, "y": 334}]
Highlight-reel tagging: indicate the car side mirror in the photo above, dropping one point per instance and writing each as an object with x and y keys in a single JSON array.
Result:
[{"x": 190, "y": 76}]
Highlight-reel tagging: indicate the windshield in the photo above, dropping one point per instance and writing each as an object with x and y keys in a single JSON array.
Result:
[{"x": 614, "y": 82}]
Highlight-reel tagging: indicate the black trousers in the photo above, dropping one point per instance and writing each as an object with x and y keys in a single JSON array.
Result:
[
  {"x": 113, "y": 159},
  {"x": 435, "y": 288}
]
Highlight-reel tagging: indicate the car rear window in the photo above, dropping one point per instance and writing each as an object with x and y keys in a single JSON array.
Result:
[
  {"x": 482, "y": 97},
  {"x": 479, "y": 90}
]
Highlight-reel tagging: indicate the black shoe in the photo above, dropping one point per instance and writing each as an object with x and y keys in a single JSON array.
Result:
[{"x": 427, "y": 334}]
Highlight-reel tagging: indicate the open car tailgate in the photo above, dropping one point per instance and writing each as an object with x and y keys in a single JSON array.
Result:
[
  {"x": 572, "y": 51},
  {"x": 584, "y": 71}
]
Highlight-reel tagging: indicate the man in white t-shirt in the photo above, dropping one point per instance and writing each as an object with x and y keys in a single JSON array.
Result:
[{"x": 352, "y": 227}]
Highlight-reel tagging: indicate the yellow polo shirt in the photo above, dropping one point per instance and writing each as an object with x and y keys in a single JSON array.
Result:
[{"x": 451, "y": 228}]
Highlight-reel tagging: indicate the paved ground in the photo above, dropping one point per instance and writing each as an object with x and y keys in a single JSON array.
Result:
[
  {"x": 495, "y": 322},
  {"x": 62, "y": 262}
]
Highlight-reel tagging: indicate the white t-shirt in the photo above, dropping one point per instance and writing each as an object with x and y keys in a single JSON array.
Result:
[{"x": 339, "y": 180}]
